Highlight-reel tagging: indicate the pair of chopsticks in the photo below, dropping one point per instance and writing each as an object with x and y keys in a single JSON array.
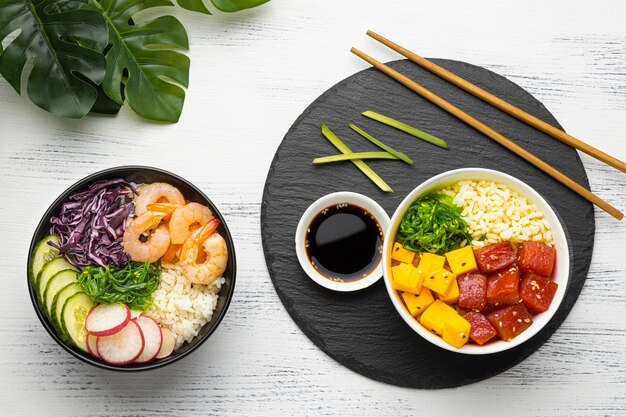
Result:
[{"x": 492, "y": 134}]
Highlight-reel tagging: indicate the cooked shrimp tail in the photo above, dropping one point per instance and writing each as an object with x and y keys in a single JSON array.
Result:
[
  {"x": 167, "y": 208},
  {"x": 214, "y": 247},
  {"x": 157, "y": 192}
]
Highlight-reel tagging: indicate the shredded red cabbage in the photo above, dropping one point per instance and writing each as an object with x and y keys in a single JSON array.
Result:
[{"x": 91, "y": 224}]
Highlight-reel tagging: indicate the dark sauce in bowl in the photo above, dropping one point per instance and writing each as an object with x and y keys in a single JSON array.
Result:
[{"x": 344, "y": 242}]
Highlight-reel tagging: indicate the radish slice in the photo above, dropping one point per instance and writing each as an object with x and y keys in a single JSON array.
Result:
[
  {"x": 167, "y": 346},
  {"x": 123, "y": 347},
  {"x": 107, "y": 319},
  {"x": 152, "y": 337},
  {"x": 91, "y": 345},
  {"x": 135, "y": 313}
]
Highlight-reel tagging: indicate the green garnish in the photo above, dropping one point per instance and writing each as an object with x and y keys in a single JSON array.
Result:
[
  {"x": 352, "y": 156},
  {"x": 337, "y": 143},
  {"x": 405, "y": 128},
  {"x": 131, "y": 284},
  {"x": 398, "y": 155},
  {"x": 433, "y": 224}
]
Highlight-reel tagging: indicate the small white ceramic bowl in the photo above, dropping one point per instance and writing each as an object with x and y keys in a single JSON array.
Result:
[
  {"x": 314, "y": 209},
  {"x": 561, "y": 268}
]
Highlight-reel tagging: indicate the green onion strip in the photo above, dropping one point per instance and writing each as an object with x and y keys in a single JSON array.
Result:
[
  {"x": 337, "y": 143},
  {"x": 406, "y": 128},
  {"x": 399, "y": 155}
]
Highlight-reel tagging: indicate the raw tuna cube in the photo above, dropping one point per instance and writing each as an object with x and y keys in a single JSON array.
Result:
[
  {"x": 537, "y": 258},
  {"x": 472, "y": 291},
  {"x": 495, "y": 257},
  {"x": 482, "y": 331},
  {"x": 537, "y": 292},
  {"x": 510, "y": 321},
  {"x": 503, "y": 288}
]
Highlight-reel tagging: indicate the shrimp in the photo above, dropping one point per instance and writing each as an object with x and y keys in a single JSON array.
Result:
[
  {"x": 157, "y": 192},
  {"x": 186, "y": 217},
  {"x": 158, "y": 237},
  {"x": 214, "y": 247}
]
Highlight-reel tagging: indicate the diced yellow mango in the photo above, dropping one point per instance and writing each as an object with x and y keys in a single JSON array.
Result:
[
  {"x": 456, "y": 331},
  {"x": 429, "y": 263},
  {"x": 440, "y": 280},
  {"x": 452, "y": 295},
  {"x": 417, "y": 304},
  {"x": 436, "y": 316},
  {"x": 462, "y": 260},
  {"x": 406, "y": 278},
  {"x": 400, "y": 254}
]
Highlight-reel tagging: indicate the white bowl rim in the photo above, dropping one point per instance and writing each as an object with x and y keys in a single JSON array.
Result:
[
  {"x": 561, "y": 272},
  {"x": 328, "y": 200}
]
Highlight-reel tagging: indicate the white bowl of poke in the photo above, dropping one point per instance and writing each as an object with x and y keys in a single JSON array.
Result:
[
  {"x": 131, "y": 268},
  {"x": 476, "y": 262}
]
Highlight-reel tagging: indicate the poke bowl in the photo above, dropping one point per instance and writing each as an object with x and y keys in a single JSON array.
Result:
[
  {"x": 476, "y": 261},
  {"x": 131, "y": 268}
]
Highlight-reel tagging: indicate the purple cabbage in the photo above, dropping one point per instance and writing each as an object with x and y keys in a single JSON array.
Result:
[{"x": 91, "y": 224}]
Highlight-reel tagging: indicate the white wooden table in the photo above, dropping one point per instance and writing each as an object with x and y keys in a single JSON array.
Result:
[{"x": 252, "y": 74}]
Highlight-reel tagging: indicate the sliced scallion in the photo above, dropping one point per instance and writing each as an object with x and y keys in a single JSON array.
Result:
[
  {"x": 353, "y": 156},
  {"x": 404, "y": 157},
  {"x": 406, "y": 128},
  {"x": 337, "y": 143}
]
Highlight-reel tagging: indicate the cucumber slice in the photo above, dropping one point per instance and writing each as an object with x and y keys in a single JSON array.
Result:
[
  {"x": 57, "y": 305},
  {"x": 47, "y": 272},
  {"x": 73, "y": 317},
  {"x": 42, "y": 254},
  {"x": 56, "y": 284}
]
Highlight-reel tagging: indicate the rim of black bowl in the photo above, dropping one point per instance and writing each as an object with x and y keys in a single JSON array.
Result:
[{"x": 45, "y": 223}]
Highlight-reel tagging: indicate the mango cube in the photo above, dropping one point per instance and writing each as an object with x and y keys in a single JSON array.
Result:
[
  {"x": 436, "y": 316},
  {"x": 440, "y": 280},
  {"x": 462, "y": 260},
  {"x": 406, "y": 278},
  {"x": 456, "y": 331},
  {"x": 417, "y": 304},
  {"x": 400, "y": 254},
  {"x": 429, "y": 263},
  {"x": 452, "y": 295}
]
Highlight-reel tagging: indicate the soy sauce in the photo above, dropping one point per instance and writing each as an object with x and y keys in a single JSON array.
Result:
[{"x": 344, "y": 242}]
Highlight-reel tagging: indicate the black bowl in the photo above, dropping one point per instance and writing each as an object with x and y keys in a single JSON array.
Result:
[{"x": 141, "y": 174}]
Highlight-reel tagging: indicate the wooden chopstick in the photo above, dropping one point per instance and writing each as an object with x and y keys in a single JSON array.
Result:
[
  {"x": 501, "y": 104},
  {"x": 483, "y": 128}
]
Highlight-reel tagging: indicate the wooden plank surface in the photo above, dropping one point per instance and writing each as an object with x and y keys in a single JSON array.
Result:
[{"x": 252, "y": 74}]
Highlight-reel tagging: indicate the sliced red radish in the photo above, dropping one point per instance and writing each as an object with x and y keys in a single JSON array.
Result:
[
  {"x": 91, "y": 345},
  {"x": 168, "y": 344},
  {"x": 107, "y": 319},
  {"x": 152, "y": 337},
  {"x": 123, "y": 347},
  {"x": 135, "y": 313}
]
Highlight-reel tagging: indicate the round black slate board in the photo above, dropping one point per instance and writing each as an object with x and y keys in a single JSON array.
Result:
[{"x": 362, "y": 330}]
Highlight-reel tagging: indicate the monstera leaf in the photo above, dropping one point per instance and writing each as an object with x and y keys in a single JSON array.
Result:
[
  {"x": 193, "y": 5},
  {"x": 62, "y": 69},
  {"x": 223, "y": 5},
  {"x": 236, "y": 5},
  {"x": 142, "y": 59}
]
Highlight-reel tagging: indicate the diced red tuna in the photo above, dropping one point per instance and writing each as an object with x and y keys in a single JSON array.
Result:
[
  {"x": 537, "y": 292},
  {"x": 482, "y": 331},
  {"x": 536, "y": 257},
  {"x": 472, "y": 291},
  {"x": 495, "y": 257},
  {"x": 503, "y": 288},
  {"x": 510, "y": 321}
]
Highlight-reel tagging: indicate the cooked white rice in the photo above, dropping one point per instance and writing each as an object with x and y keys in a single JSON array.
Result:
[
  {"x": 498, "y": 213},
  {"x": 181, "y": 306}
]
